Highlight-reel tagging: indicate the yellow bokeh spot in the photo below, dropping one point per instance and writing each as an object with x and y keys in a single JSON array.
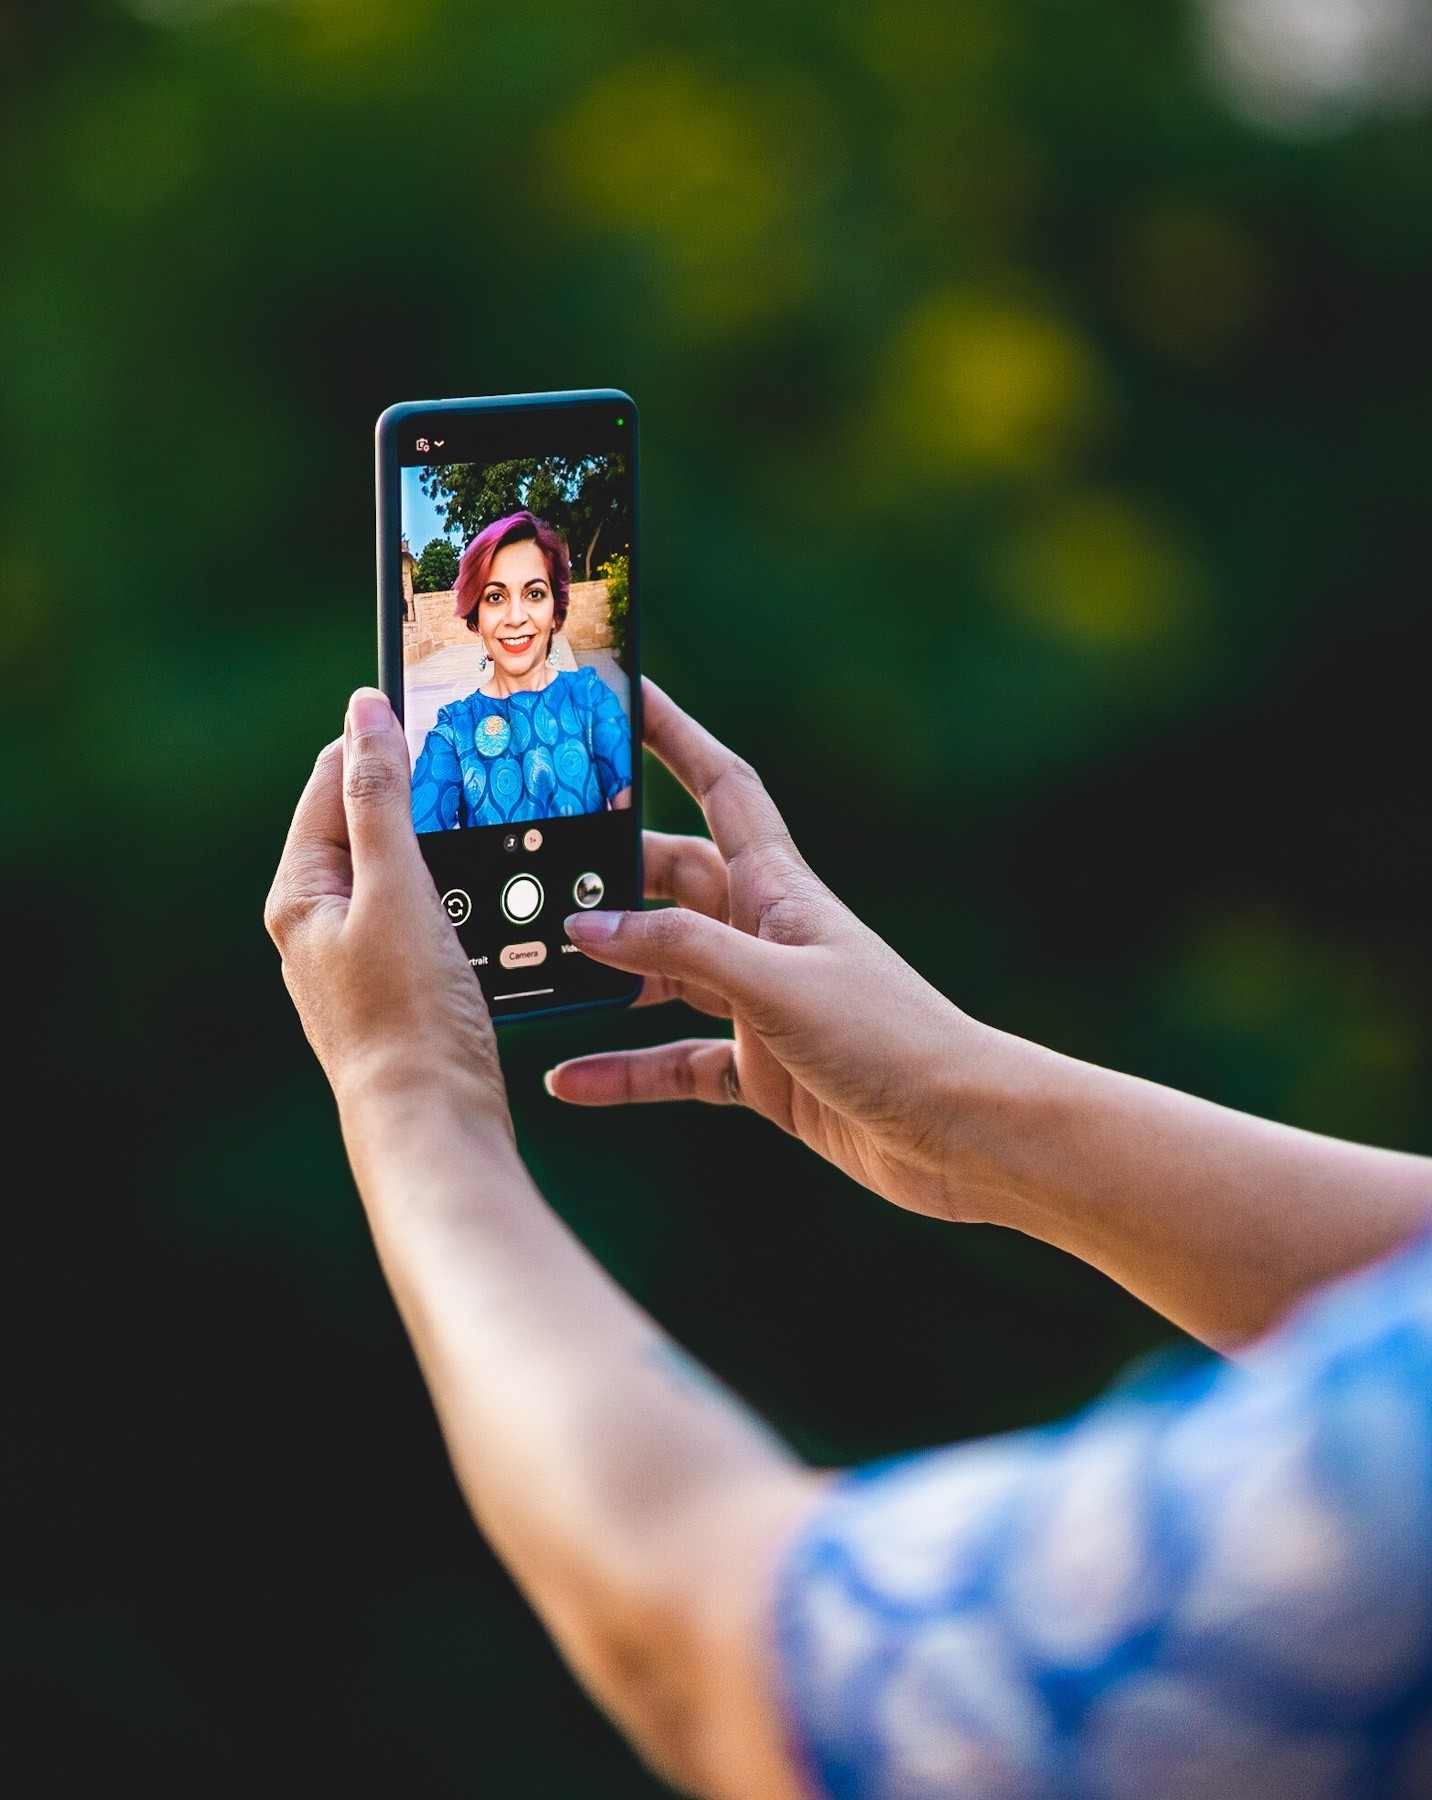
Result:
[
  {"x": 985, "y": 386},
  {"x": 929, "y": 44},
  {"x": 715, "y": 180},
  {"x": 25, "y": 588},
  {"x": 1098, "y": 569}
]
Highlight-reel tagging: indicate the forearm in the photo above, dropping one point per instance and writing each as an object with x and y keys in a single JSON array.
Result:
[
  {"x": 610, "y": 1474},
  {"x": 1217, "y": 1219}
]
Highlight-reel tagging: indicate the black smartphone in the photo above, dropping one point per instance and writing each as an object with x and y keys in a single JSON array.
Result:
[{"x": 508, "y": 644}]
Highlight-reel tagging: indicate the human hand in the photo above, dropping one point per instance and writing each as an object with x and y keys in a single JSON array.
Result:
[
  {"x": 836, "y": 1038},
  {"x": 375, "y": 969}
]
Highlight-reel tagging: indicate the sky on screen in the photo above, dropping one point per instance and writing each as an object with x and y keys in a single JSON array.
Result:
[{"x": 422, "y": 521}]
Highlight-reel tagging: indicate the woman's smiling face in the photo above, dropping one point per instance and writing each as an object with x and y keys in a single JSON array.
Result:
[{"x": 515, "y": 611}]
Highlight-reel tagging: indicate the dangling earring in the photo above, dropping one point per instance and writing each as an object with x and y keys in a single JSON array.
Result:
[
  {"x": 552, "y": 662},
  {"x": 483, "y": 658}
]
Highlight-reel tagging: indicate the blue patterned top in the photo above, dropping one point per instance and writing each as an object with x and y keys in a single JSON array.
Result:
[
  {"x": 562, "y": 750},
  {"x": 1219, "y": 1586}
]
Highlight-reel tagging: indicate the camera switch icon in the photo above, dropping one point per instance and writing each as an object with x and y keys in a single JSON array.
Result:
[{"x": 457, "y": 904}]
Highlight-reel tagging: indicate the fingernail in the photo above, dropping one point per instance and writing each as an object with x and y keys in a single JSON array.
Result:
[
  {"x": 368, "y": 710},
  {"x": 592, "y": 927},
  {"x": 547, "y": 1083}
]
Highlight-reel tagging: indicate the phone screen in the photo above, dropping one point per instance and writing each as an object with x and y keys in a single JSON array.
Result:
[{"x": 508, "y": 644}]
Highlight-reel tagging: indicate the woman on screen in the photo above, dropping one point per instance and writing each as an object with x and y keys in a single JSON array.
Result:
[{"x": 532, "y": 741}]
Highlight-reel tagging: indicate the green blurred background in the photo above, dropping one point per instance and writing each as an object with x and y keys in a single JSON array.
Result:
[{"x": 1035, "y": 408}]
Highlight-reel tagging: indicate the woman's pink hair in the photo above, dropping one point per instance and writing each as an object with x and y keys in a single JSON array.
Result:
[{"x": 516, "y": 528}]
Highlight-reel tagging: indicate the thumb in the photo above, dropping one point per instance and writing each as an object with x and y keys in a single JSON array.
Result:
[
  {"x": 688, "y": 947},
  {"x": 377, "y": 789}
]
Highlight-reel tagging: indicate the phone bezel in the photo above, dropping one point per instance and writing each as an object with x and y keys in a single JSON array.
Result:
[{"x": 390, "y": 594}]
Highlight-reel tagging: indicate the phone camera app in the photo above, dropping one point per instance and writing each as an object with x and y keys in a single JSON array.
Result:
[{"x": 509, "y": 571}]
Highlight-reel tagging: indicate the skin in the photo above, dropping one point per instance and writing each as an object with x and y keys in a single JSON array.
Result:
[
  {"x": 642, "y": 1509},
  {"x": 514, "y": 618},
  {"x": 1218, "y": 1220}
]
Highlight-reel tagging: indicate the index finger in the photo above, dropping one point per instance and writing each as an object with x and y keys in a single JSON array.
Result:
[
  {"x": 316, "y": 860},
  {"x": 739, "y": 811},
  {"x": 319, "y": 826}
]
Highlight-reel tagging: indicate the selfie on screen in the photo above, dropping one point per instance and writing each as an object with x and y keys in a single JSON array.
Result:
[{"x": 516, "y": 582}]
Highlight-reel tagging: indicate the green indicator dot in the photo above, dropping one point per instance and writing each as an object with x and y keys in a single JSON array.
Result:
[{"x": 621, "y": 421}]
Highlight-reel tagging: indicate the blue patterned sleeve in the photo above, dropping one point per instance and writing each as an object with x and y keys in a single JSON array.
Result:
[
  {"x": 1217, "y": 1589},
  {"x": 611, "y": 739},
  {"x": 437, "y": 784}
]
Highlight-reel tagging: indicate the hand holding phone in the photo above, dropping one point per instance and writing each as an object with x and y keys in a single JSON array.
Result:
[{"x": 350, "y": 883}]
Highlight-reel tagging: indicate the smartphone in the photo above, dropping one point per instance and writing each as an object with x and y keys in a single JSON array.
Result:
[{"x": 509, "y": 646}]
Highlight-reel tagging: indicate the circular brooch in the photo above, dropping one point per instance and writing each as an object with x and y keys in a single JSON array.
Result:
[{"x": 493, "y": 735}]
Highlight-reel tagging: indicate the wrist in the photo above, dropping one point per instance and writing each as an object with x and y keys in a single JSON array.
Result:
[
  {"x": 406, "y": 1122},
  {"x": 995, "y": 1091},
  {"x": 389, "y": 1076}
]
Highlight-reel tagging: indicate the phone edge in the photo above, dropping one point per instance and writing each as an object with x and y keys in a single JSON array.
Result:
[{"x": 388, "y": 513}]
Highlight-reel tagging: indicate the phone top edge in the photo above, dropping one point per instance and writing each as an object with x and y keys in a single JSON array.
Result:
[{"x": 393, "y": 416}]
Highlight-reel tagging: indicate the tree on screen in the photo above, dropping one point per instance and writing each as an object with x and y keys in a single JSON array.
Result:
[
  {"x": 581, "y": 496},
  {"x": 616, "y": 572},
  {"x": 598, "y": 513},
  {"x": 437, "y": 567}
]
